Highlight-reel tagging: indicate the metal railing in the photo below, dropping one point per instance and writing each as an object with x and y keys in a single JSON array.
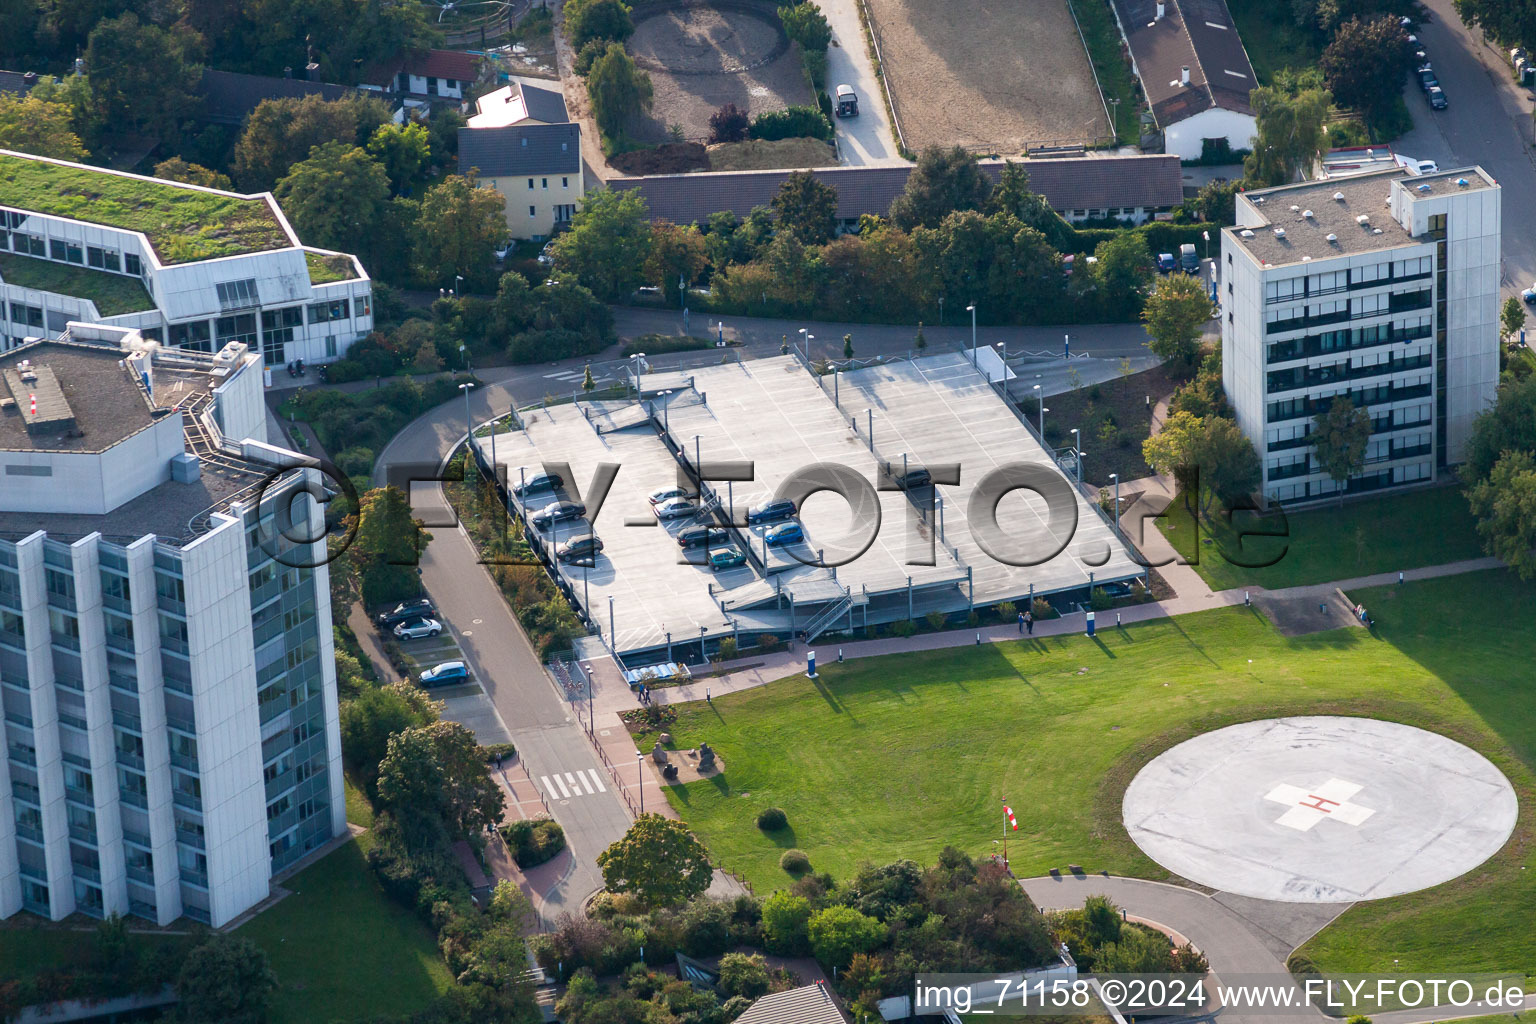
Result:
[{"x": 618, "y": 782}]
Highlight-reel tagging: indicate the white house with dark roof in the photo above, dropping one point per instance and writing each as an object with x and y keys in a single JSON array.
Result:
[
  {"x": 536, "y": 167},
  {"x": 521, "y": 102},
  {"x": 1193, "y": 69}
]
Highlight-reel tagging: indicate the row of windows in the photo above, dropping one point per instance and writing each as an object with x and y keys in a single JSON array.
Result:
[
  {"x": 564, "y": 183},
  {"x": 1290, "y": 289},
  {"x": 61, "y": 251},
  {"x": 277, "y": 326},
  {"x": 564, "y": 212}
]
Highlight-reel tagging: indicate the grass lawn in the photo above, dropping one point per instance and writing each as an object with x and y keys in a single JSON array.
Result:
[
  {"x": 114, "y": 294},
  {"x": 1403, "y": 531},
  {"x": 884, "y": 758},
  {"x": 1272, "y": 38},
  {"x": 324, "y": 269},
  {"x": 1121, "y": 402},
  {"x": 341, "y": 948},
  {"x": 183, "y": 224},
  {"x": 1107, "y": 53}
]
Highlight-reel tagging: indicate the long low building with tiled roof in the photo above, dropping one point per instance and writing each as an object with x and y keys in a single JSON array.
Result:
[{"x": 1133, "y": 188}]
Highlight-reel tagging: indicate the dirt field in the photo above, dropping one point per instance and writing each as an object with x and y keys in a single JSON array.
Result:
[
  {"x": 996, "y": 74},
  {"x": 702, "y": 55},
  {"x": 758, "y": 155}
]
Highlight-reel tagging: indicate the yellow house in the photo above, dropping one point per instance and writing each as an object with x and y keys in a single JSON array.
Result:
[{"x": 522, "y": 144}]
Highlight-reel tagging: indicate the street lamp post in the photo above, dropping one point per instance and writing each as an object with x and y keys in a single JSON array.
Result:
[
  {"x": 457, "y": 280},
  {"x": 972, "y": 310},
  {"x": 805, "y": 337},
  {"x": 1077, "y": 453},
  {"x": 1040, "y": 401},
  {"x": 666, "y": 409},
  {"x": 469, "y": 426},
  {"x": 640, "y": 775},
  {"x": 1116, "y": 478}
]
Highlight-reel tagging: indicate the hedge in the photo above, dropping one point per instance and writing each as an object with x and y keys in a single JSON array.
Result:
[{"x": 797, "y": 122}]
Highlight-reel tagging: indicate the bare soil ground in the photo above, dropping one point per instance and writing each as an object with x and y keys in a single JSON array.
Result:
[
  {"x": 995, "y": 75},
  {"x": 703, "y": 55}
]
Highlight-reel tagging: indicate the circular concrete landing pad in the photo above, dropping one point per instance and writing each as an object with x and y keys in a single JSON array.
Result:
[{"x": 1320, "y": 809}]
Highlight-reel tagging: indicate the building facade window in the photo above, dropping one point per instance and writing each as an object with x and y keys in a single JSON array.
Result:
[
  {"x": 324, "y": 312},
  {"x": 194, "y": 336},
  {"x": 240, "y": 328},
  {"x": 237, "y": 294}
]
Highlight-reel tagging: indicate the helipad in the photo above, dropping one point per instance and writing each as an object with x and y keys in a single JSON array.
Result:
[{"x": 1320, "y": 809}]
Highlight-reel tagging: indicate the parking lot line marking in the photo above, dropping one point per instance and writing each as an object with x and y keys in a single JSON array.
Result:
[
  {"x": 560, "y": 785},
  {"x": 575, "y": 786},
  {"x": 597, "y": 781}
]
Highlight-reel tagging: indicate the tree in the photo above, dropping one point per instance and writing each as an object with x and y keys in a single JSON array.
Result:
[
  {"x": 1209, "y": 458},
  {"x": 837, "y": 933},
  {"x": 805, "y": 24},
  {"x": 586, "y": 20},
  {"x": 786, "y": 920},
  {"x": 279, "y": 133},
  {"x": 729, "y": 124},
  {"x": 434, "y": 783},
  {"x": 1339, "y": 436},
  {"x": 336, "y": 198},
  {"x": 619, "y": 90},
  {"x": 32, "y": 125},
  {"x": 74, "y": 93},
  {"x": 1512, "y": 317},
  {"x": 372, "y": 717},
  {"x": 587, "y": 383},
  {"x": 676, "y": 260},
  {"x": 1290, "y": 113},
  {"x": 920, "y": 341},
  {"x": 388, "y": 546},
  {"x": 1012, "y": 195},
  {"x": 144, "y": 76},
  {"x": 608, "y": 244},
  {"x": 225, "y": 980},
  {"x": 944, "y": 180},
  {"x": 743, "y": 974},
  {"x": 807, "y": 207},
  {"x": 658, "y": 861},
  {"x": 1509, "y": 426},
  {"x": 1365, "y": 64},
  {"x": 1505, "y": 507},
  {"x": 1216, "y": 202},
  {"x": 1175, "y": 314},
  {"x": 1511, "y": 22},
  {"x": 1124, "y": 269},
  {"x": 177, "y": 169},
  {"x": 847, "y": 346},
  {"x": 405, "y": 150},
  {"x": 458, "y": 229}
]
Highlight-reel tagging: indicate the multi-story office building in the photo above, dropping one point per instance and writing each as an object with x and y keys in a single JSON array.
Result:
[
  {"x": 192, "y": 267},
  {"x": 166, "y": 663},
  {"x": 1383, "y": 288}
]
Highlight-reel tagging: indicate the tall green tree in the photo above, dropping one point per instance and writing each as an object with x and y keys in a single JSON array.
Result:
[
  {"x": 1505, "y": 506},
  {"x": 1290, "y": 114},
  {"x": 619, "y": 90},
  {"x": 805, "y": 24},
  {"x": 943, "y": 182},
  {"x": 372, "y": 717},
  {"x": 1340, "y": 435},
  {"x": 586, "y": 20},
  {"x": 337, "y": 198},
  {"x": 1123, "y": 271},
  {"x": 1511, "y": 22},
  {"x": 839, "y": 933},
  {"x": 279, "y": 133},
  {"x": 1512, "y": 317},
  {"x": 143, "y": 76},
  {"x": 405, "y": 151},
  {"x": 435, "y": 785},
  {"x": 1209, "y": 458},
  {"x": 344, "y": 37},
  {"x": 1365, "y": 64},
  {"x": 32, "y": 125},
  {"x": 608, "y": 243},
  {"x": 1012, "y": 194},
  {"x": 388, "y": 546},
  {"x": 1175, "y": 314},
  {"x": 658, "y": 861},
  {"x": 225, "y": 980},
  {"x": 458, "y": 230},
  {"x": 1509, "y": 426},
  {"x": 807, "y": 207},
  {"x": 677, "y": 255}
]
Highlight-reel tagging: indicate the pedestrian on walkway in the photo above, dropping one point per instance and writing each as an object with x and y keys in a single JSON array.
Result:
[
  {"x": 1021, "y": 623},
  {"x": 1029, "y": 621}
]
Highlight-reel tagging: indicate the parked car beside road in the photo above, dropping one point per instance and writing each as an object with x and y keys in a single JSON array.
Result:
[
  {"x": 446, "y": 673},
  {"x": 417, "y": 629},
  {"x": 406, "y": 611}
]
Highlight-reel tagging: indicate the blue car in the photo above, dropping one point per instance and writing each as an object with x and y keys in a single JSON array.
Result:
[
  {"x": 784, "y": 533},
  {"x": 446, "y": 674}
]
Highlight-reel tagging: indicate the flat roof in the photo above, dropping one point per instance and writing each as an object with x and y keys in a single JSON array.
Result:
[
  {"x": 108, "y": 402},
  {"x": 1363, "y": 195},
  {"x": 939, "y": 410},
  {"x": 184, "y": 223}
]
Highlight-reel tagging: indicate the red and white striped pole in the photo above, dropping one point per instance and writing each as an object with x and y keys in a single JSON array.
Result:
[{"x": 34, "y": 405}]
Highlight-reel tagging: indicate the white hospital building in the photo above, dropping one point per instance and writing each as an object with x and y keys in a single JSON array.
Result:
[
  {"x": 191, "y": 267},
  {"x": 166, "y": 665},
  {"x": 1382, "y": 287}
]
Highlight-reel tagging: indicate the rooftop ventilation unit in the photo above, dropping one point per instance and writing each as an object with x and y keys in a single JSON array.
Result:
[
  {"x": 1260, "y": 200},
  {"x": 1246, "y": 233},
  {"x": 1307, "y": 214},
  {"x": 1363, "y": 220},
  {"x": 1279, "y": 232},
  {"x": 1375, "y": 231},
  {"x": 1306, "y": 259},
  {"x": 1332, "y": 237},
  {"x": 1339, "y": 196},
  {"x": 1294, "y": 208}
]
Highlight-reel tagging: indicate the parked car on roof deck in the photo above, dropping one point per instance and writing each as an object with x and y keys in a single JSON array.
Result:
[
  {"x": 770, "y": 511},
  {"x": 667, "y": 493},
  {"x": 582, "y": 546},
  {"x": 557, "y": 511},
  {"x": 536, "y": 484},
  {"x": 784, "y": 533},
  {"x": 697, "y": 536},
  {"x": 726, "y": 558},
  {"x": 676, "y": 508}
]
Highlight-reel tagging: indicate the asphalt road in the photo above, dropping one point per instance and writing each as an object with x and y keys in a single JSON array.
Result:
[
  {"x": 1487, "y": 123},
  {"x": 865, "y": 140}
]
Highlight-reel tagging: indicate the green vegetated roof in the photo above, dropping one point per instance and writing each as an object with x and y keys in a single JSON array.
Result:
[
  {"x": 183, "y": 224},
  {"x": 326, "y": 268},
  {"x": 114, "y": 294}
]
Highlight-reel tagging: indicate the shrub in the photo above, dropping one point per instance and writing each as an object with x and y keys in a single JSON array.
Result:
[
  {"x": 495, "y": 753},
  {"x": 743, "y": 974},
  {"x": 806, "y": 25},
  {"x": 906, "y": 627},
  {"x": 735, "y": 1006},
  {"x": 785, "y": 918},
  {"x": 533, "y": 842},
  {"x": 771, "y": 819},
  {"x": 768, "y": 642},
  {"x": 792, "y": 123},
  {"x": 935, "y": 620},
  {"x": 1007, "y": 611},
  {"x": 838, "y": 933},
  {"x": 729, "y": 124},
  {"x": 1189, "y": 960},
  {"x": 814, "y": 62},
  {"x": 1041, "y": 609},
  {"x": 795, "y": 862},
  {"x": 591, "y": 20},
  {"x": 706, "y": 928},
  {"x": 1100, "y": 601},
  {"x": 727, "y": 651},
  {"x": 589, "y": 52}
]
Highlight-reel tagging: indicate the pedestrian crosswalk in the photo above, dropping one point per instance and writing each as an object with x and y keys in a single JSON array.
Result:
[{"x": 565, "y": 785}]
